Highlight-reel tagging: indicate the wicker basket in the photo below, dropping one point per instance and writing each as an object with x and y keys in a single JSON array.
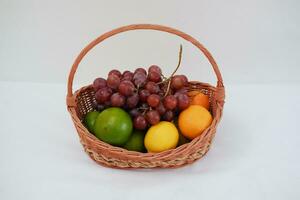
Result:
[{"x": 82, "y": 100}]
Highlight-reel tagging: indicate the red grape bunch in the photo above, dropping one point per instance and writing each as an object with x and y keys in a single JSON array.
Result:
[{"x": 148, "y": 96}]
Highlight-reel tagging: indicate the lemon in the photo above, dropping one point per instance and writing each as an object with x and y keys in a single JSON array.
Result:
[{"x": 161, "y": 137}]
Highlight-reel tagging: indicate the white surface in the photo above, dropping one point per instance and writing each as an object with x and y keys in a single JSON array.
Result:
[
  {"x": 249, "y": 38},
  {"x": 255, "y": 154}
]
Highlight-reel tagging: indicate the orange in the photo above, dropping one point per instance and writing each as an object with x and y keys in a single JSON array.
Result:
[
  {"x": 194, "y": 120},
  {"x": 201, "y": 100},
  {"x": 193, "y": 93}
]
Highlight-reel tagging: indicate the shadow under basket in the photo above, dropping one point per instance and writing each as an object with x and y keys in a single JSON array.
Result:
[{"x": 82, "y": 101}]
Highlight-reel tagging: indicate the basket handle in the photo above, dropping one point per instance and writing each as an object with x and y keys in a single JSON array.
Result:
[{"x": 220, "y": 86}]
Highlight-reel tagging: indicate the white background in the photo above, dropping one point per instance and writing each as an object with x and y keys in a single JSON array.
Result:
[{"x": 255, "y": 154}]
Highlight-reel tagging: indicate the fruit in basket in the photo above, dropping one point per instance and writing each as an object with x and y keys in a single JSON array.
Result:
[
  {"x": 182, "y": 140},
  {"x": 146, "y": 95},
  {"x": 194, "y": 120},
  {"x": 152, "y": 87},
  {"x": 193, "y": 93},
  {"x": 139, "y": 78},
  {"x": 139, "y": 122},
  {"x": 140, "y": 70},
  {"x": 136, "y": 141},
  {"x": 126, "y": 88},
  {"x": 103, "y": 95},
  {"x": 178, "y": 82},
  {"x": 168, "y": 116},
  {"x": 170, "y": 102},
  {"x": 117, "y": 100},
  {"x": 113, "y": 81},
  {"x": 183, "y": 101},
  {"x": 153, "y": 100},
  {"x": 113, "y": 126},
  {"x": 154, "y": 68},
  {"x": 161, "y": 137},
  {"x": 99, "y": 83},
  {"x": 89, "y": 120},
  {"x": 154, "y": 77},
  {"x": 127, "y": 75},
  {"x": 115, "y": 72},
  {"x": 132, "y": 101},
  {"x": 201, "y": 100},
  {"x": 161, "y": 109},
  {"x": 152, "y": 117}
]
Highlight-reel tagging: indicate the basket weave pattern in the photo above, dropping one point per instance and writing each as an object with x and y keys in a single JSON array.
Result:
[{"x": 82, "y": 100}]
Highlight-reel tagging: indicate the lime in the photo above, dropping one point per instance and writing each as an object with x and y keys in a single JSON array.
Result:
[
  {"x": 136, "y": 141},
  {"x": 113, "y": 126},
  {"x": 89, "y": 120},
  {"x": 182, "y": 140},
  {"x": 161, "y": 137}
]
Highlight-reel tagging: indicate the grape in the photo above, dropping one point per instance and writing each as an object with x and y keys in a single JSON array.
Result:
[
  {"x": 181, "y": 91},
  {"x": 152, "y": 87},
  {"x": 154, "y": 76},
  {"x": 144, "y": 95},
  {"x": 134, "y": 112},
  {"x": 127, "y": 75},
  {"x": 177, "y": 82},
  {"x": 139, "y": 122},
  {"x": 139, "y": 79},
  {"x": 113, "y": 81},
  {"x": 168, "y": 116},
  {"x": 154, "y": 68},
  {"x": 132, "y": 101},
  {"x": 170, "y": 102},
  {"x": 152, "y": 117},
  {"x": 99, "y": 83},
  {"x": 115, "y": 72},
  {"x": 161, "y": 108},
  {"x": 117, "y": 100},
  {"x": 127, "y": 78},
  {"x": 103, "y": 95},
  {"x": 184, "y": 79},
  {"x": 140, "y": 70},
  {"x": 153, "y": 100},
  {"x": 183, "y": 101},
  {"x": 126, "y": 88}
]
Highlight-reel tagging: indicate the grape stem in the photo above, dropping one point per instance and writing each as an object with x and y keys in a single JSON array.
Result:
[
  {"x": 144, "y": 112},
  {"x": 169, "y": 79},
  {"x": 137, "y": 88},
  {"x": 164, "y": 78}
]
